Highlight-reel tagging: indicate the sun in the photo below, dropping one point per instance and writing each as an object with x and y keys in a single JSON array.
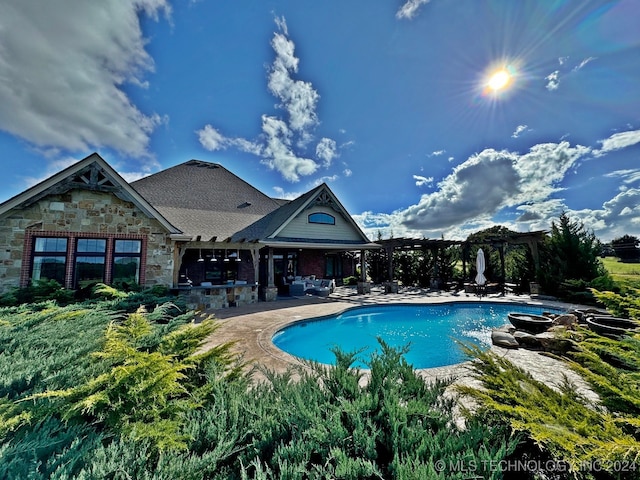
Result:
[{"x": 499, "y": 80}]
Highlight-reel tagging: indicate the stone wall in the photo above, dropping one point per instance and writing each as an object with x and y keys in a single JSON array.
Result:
[
  {"x": 86, "y": 212},
  {"x": 215, "y": 298}
]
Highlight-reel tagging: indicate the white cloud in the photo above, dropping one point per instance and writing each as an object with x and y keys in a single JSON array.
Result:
[
  {"x": 347, "y": 172},
  {"x": 505, "y": 183},
  {"x": 283, "y": 143},
  {"x": 64, "y": 65},
  {"x": 387, "y": 224},
  {"x": 477, "y": 187},
  {"x": 326, "y": 179},
  {"x": 617, "y": 217},
  {"x": 489, "y": 181},
  {"x": 326, "y": 150},
  {"x": 213, "y": 140},
  {"x": 540, "y": 170},
  {"x": 553, "y": 80},
  {"x": 618, "y": 141},
  {"x": 583, "y": 63},
  {"x": 519, "y": 130},
  {"x": 422, "y": 181},
  {"x": 409, "y": 8},
  {"x": 437, "y": 153},
  {"x": 628, "y": 176},
  {"x": 277, "y": 153},
  {"x": 298, "y": 98},
  {"x": 281, "y": 193}
]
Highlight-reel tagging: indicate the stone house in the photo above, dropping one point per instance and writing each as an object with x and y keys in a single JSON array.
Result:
[{"x": 195, "y": 226}]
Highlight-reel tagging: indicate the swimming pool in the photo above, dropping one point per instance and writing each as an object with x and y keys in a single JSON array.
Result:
[{"x": 430, "y": 331}]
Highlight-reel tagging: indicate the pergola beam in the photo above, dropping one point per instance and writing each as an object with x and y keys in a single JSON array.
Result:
[{"x": 531, "y": 239}]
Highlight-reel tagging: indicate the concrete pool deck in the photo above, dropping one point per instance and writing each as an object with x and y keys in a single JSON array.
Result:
[{"x": 251, "y": 328}]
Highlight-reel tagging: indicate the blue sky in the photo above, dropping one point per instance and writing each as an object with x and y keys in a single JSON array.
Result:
[{"x": 390, "y": 103}]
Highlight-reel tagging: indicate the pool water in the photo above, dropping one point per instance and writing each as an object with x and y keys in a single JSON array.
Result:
[{"x": 430, "y": 331}]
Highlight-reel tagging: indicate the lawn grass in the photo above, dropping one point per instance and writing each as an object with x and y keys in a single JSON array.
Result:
[
  {"x": 625, "y": 274},
  {"x": 615, "y": 267}
]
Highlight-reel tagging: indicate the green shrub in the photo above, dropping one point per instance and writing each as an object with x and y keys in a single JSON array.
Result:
[
  {"x": 351, "y": 281},
  {"x": 334, "y": 424},
  {"x": 561, "y": 422},
  {"x": 145, "y": 391},
  {"x": 39, "y": 291},
  {"x": 625, "y": 304}
]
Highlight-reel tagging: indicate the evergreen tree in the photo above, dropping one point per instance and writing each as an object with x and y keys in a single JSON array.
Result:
[{"x": 570, "y": 253}]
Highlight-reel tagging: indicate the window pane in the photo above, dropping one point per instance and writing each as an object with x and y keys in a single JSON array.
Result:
[
  {"x": 89, "y": 270},
  {"x": 50, "y": 268},
  {"x": 126, "y": 269},
  {"x": 44, "y": 244},
  {"x": 324, "y": 218},
  {"x": 329, "y": 269},
  {"x": 92, "y": 245},
  {"x": 128, "y": 246}
]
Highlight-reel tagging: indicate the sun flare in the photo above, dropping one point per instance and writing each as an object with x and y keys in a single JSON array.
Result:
[{"x": 499, "y": 80}]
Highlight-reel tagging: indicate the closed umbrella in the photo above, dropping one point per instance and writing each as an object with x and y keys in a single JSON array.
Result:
[{"x": 480, "y": 278}]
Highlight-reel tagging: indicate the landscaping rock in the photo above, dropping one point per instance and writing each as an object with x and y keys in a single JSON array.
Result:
[
  {"x": 503, "y": 339},
  {"x": 568, "y": 320},
  {"x": 507, "y": 328},
  {"x": 551, "y": 342},
  {"x": 526, "y": 339}
]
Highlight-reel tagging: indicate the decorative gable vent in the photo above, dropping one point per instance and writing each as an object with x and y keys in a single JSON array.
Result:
[
  {"x": 324, "y": 200},
  {"x": 93, "y": 177}
]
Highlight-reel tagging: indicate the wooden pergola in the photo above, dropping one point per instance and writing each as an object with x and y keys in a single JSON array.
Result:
[{"x": 530, "y": 239}]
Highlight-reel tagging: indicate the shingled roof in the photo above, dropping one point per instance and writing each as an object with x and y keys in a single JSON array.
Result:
[
  {"x": 267, "y": 225},
  {"x": 205, "y": 199}
]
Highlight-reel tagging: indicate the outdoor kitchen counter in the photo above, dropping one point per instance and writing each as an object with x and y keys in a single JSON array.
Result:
[{"x": 214, "y": 297}]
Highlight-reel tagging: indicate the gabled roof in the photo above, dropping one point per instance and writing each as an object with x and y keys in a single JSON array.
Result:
[
  {"x": 205, "y": 199},
  {"x": 266, "y": 229},
  {"x": 90, "y": 173}
]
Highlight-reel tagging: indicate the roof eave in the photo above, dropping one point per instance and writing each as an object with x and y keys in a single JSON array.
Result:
[{"x": 320, "y": 245}]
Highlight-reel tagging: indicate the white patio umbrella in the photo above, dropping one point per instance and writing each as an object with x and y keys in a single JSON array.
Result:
[{"x": 480, "y": 278}]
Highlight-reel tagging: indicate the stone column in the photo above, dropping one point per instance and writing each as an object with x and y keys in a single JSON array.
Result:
[
  {"x": 270, "y": 291},
  {"x": 363, "y": 285}
]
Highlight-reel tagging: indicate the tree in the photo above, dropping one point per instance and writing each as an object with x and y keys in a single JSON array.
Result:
[
  {"x": 570, "y": 254},
  {"x": 626, "y": 248}
]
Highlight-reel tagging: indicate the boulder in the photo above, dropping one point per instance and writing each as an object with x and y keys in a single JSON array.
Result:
[
  {"x": 551, "y": 342},
  {"x": 503, "y": 339},
  {"x": 568, "y": 320},
  {"x": 507, "y": 327},
  {"x": 526, "y": 339}
]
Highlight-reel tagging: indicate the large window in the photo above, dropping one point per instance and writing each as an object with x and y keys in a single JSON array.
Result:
[
  {"x": 78, "y": 262},
  {"x": 126, "y": 261},
  {"x": 90, "y": 261},
  {"x": 323, "y": 218},
  {"x": 49, "y": 259}
]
